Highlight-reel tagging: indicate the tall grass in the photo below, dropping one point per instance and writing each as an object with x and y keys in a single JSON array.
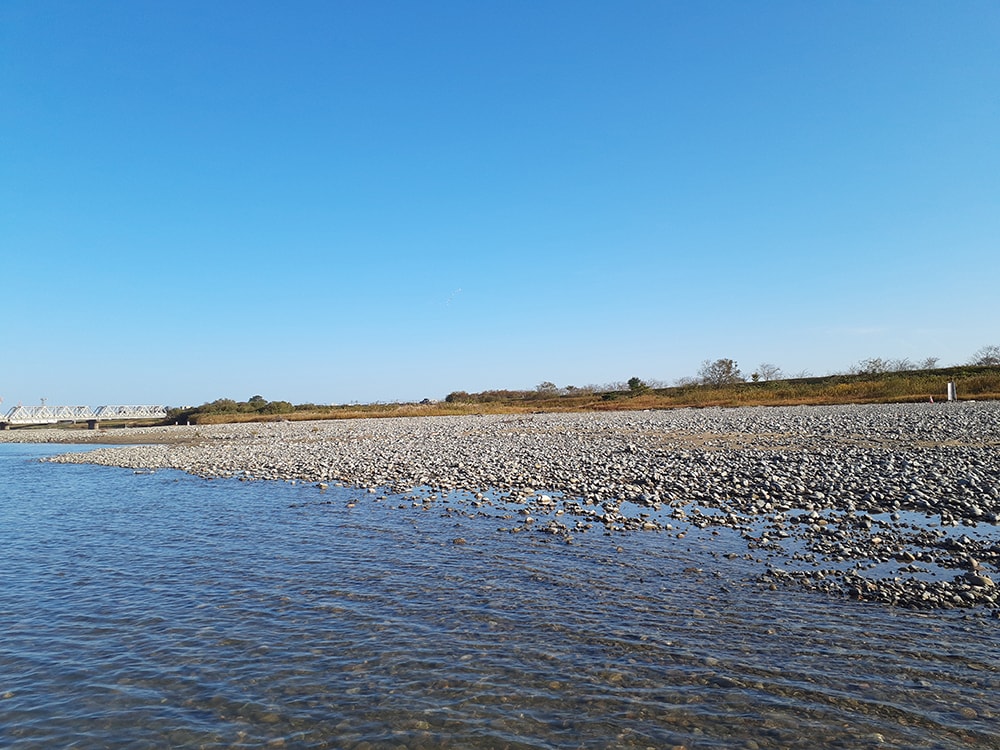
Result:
[{"x": 981, "y": 383}]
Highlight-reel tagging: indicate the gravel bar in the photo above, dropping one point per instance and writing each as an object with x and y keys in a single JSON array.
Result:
[{"x": 891, "y": 503}]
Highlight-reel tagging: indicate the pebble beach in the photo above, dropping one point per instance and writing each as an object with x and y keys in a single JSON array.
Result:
[{"x": 897, "y": 504}]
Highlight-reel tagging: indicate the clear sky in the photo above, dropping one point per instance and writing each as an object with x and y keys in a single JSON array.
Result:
[{"x": 377, "y": 201}]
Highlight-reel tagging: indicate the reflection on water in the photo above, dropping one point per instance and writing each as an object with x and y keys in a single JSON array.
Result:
[{"x": 167, "y": 611}]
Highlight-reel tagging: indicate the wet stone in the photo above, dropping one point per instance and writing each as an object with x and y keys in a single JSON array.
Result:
[{"x": 845, "y": 500}]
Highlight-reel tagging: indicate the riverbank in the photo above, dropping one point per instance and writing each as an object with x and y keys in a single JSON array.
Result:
[
  {"x": 876, "y": 385},
  {"x": 891, "y": 503},
  {"x": 104, "y": 436}
]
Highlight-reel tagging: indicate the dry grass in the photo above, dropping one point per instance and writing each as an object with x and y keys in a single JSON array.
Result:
[{"x": 981, "y": 383}]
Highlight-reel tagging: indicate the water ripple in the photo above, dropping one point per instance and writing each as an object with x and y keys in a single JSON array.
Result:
[{"x": 166, "y": 611}]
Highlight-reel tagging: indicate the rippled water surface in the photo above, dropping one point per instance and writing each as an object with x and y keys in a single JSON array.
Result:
[{"x": 163, "y": 610}]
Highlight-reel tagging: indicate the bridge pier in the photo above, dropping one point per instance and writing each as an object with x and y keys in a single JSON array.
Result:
[{"x": 91, "y": 424}]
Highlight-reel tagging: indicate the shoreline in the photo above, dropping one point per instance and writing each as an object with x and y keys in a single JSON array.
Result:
[
  {"x": 891, "y": 503},
  {"x": 102, "y": 436}
]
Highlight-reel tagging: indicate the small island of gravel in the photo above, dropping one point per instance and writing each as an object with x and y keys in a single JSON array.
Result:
[{"x": 891, "y": 503}]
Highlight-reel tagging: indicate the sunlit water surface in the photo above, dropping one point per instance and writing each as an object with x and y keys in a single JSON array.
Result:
[{"x": 163, "y": 610}]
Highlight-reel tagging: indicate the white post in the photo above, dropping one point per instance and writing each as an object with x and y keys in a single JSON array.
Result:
[{"x": 952, "y": 395}]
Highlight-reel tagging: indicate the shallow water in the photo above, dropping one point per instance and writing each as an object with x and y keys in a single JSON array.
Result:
[{"x": 163, "y": 610}]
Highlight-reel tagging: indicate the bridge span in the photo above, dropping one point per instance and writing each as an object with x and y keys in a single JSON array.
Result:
[{"x": 34, "y": 415}]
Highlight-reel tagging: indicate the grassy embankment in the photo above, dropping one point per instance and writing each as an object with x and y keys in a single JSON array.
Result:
[{"x": 981, "y": 383}]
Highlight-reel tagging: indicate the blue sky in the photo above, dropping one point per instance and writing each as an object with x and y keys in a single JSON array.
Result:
[{"x": 379, "y": 201}]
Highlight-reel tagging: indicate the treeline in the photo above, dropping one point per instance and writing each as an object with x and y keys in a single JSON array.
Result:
[
  {"x": 725, "y": 373},
  {"x": 719, "y": 382},
  {"x": 541, "y": 393},
  {"x": 255, "y": 406},
  {"x": 723, "y": 385}
]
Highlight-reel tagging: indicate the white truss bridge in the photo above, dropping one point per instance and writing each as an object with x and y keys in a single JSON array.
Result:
[{"x": 25, "y": 415}]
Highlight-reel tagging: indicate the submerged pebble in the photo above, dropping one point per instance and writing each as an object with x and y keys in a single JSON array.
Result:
[{"x": 865, "y": 501}]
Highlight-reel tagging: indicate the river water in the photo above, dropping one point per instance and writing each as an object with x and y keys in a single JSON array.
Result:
[{"x": 162, "y": 610}]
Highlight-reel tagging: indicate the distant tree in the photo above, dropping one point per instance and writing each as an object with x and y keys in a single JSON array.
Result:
[
  {"x": 456, "y": 397},
  {"x": 928, "y": 363},
  {"x": 220, "y": 406},
  {"x": 546, "y": 387},
  {"x": 870, "y": 366},
  {"x": 636, "y": 386},
  {"x": 901, "y": 365},
  {"x": 721, "y": 372},
  {"x": 256, "y": 402},
  {"x": 277, "y": 407},
  {"x": 768, "y": 371},
  {"x": 988, "y": 356}
]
